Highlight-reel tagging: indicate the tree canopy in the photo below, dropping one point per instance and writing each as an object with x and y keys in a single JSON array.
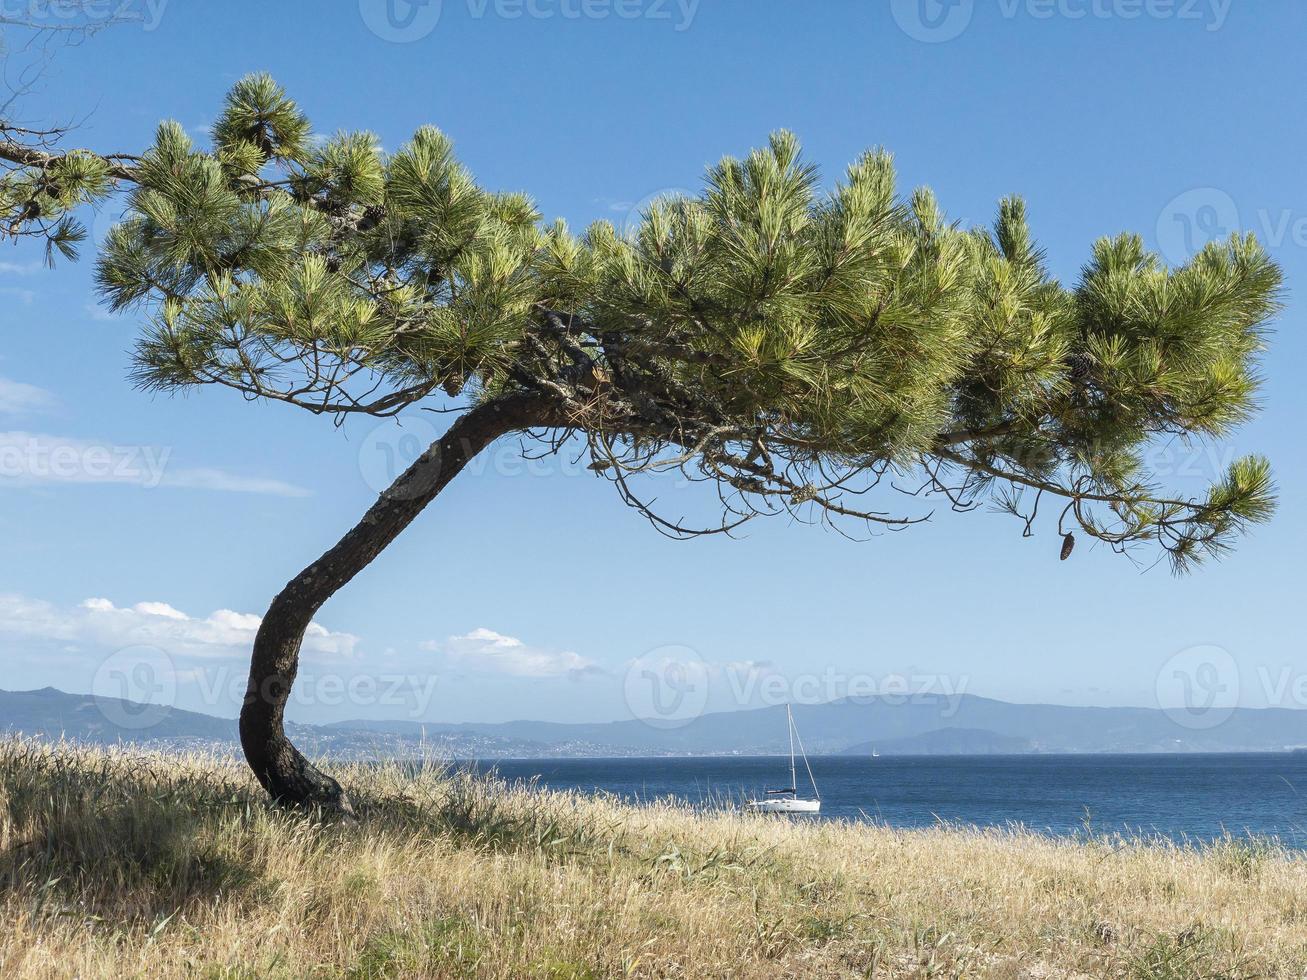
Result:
[
  {"x": 800, "y": 348},
  {"x": 790, "y": 343}
]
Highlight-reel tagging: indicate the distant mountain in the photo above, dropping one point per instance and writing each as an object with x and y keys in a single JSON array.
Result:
[
  {"x": 837, "y": 726},
  {"x": 946, "y": 741},
  {"x": 928, "y": 724},
  {"x": 53, "y": 714},
  {"x": 91, "y": 718}
]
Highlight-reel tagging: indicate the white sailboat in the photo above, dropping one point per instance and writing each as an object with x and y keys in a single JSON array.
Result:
[{"x": 787, "y": 800}]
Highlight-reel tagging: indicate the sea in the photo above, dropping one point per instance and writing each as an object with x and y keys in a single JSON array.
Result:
[{"x": 1192, "y": 798}]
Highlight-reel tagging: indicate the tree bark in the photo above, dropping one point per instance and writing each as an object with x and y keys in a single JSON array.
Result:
[{"x": 280, "y": 767}]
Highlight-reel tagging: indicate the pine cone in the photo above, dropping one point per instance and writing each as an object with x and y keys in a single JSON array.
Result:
[
  {"x": 803, "y": 494},
  {"x": 1068, "y": 545},
  {"x": 1081, "y": 365},
  {"x": 371, "y": 217}
]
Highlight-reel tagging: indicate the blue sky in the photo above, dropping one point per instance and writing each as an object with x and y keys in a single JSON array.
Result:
[{"x": 147, "y": 529}]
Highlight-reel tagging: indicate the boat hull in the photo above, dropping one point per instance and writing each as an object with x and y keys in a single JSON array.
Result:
[{"x": 785, "y": 806}]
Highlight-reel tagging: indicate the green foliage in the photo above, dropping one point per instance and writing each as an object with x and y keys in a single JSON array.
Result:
[
  {"x": 43, "y": 198},
  {"x": 1190, "y": 955},
  {"x": 788, "y": 342},
  {"x": 258, "y": 118},
  {"x": 1244, "y": 857},
  {"x": 446, "y": 947}
]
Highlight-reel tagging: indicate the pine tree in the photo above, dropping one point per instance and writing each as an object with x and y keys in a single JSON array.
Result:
[{"x": 793, "y": 347}]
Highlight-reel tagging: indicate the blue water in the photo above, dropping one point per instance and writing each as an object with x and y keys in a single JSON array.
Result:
[{"x": 1183, "y": 797}]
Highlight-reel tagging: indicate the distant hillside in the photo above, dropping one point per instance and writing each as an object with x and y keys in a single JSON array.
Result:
[
  {"x": 920, "y": 725},
  {"x": 946, "y": 741},
  {"x": 54, "y": 714},
  {"x": 837, "y": 726},
  {"x": 91, "y": 718}
]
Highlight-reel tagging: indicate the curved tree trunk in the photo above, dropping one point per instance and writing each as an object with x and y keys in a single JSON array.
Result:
[{"x": 280, "y": 767}]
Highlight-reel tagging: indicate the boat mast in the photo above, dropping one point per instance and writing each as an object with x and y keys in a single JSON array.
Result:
[
  {"x": 794, "y": 734},
  {"x": 794, "y": 780}
]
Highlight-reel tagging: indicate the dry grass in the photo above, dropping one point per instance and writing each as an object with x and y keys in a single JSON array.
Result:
[{"x": 124, "y": 865}]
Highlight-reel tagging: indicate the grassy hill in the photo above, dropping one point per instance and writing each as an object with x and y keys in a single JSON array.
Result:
[{"x": 119, "y": 864}]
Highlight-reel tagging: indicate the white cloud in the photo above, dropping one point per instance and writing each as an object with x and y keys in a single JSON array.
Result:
[
  {"x": 25, "y": 296},
  {"x": 685, "y": 662},
  {"x": 98, "y": 623},
  {"x": 749, "y": 668},
  {"x": 20, "y": 268},
  {"x": 99, "y": 314},
  {"x": 490, "y": 652},
  {"x": 211, "y": 479},
  {"x": 16, "y": 397},
  {"x": 145, "y": 608},
  {"x": 35, "y": 458}
]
